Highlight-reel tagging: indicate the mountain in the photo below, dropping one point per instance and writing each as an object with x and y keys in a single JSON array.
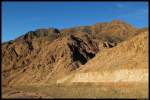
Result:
[
  {"x": 51, "y": 56},
  {"x": 127, "y": 62}
]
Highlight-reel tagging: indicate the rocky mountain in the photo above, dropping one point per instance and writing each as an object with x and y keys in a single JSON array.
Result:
[
  {"x": 125, "y": 62},
  {"x": 47, "y": 56}
]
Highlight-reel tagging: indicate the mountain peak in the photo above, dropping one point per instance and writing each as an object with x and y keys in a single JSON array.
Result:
[
  {"x": 48, "y": 47},
  {"x": 115, "y": 21}
]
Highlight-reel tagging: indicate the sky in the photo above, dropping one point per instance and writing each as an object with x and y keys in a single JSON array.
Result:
[{"x": 21, "y": 17}]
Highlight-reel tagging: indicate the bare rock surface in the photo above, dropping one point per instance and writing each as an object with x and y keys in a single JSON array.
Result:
[{"x": 50, "y": 56}]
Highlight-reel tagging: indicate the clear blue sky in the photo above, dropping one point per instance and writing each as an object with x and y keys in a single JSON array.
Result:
[{"x": 21, "y": 17}]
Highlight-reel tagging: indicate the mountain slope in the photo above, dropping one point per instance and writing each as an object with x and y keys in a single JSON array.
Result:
[
  {"x": 127, "y": 62},
  {"x": 44, "y": 55}
]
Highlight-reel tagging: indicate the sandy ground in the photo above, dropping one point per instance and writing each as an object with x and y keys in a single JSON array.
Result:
[{"x": 80, "y": 90}]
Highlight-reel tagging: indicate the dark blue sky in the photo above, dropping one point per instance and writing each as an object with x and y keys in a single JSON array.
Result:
[{"x": 21, "y": 17}]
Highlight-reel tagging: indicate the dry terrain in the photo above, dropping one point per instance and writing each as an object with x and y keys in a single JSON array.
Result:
[{"x": 106, "y": 60}]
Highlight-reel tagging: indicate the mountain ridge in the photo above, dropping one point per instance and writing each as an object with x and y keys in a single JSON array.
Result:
[{"x": 53, "y": 53}]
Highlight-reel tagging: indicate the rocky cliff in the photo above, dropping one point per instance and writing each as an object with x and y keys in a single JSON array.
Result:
[{"x": 44, "y": 55}]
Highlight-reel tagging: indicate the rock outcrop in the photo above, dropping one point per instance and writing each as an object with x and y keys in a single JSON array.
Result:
[
  {"x": 44, "y": 55},
  {"x": 127, "y": 62}
]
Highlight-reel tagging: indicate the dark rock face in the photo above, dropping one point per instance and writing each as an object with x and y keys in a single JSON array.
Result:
[{"x": 82, "y": 50}]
